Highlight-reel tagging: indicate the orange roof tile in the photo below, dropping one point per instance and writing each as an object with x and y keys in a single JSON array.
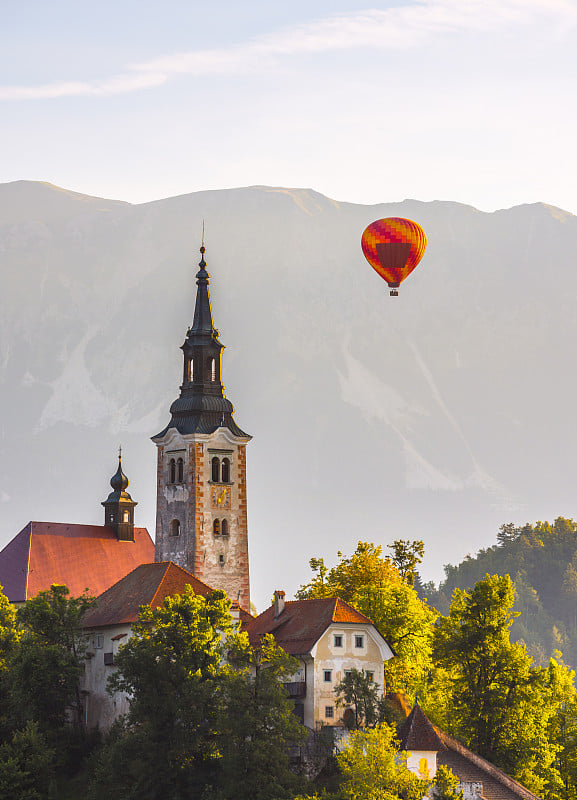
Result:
[
  {"x": 147, "y": 585},
  {"x": 79, "y": 556},
  {"x": 303, "y": 622}
]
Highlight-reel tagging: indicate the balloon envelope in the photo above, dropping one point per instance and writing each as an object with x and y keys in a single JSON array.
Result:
[{"x": 393, "y": 247}]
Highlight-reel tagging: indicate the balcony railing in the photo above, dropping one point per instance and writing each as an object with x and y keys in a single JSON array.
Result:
[{"x": 296, "y": 689}]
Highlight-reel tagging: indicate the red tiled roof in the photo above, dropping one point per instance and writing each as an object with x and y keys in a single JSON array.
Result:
[
  {"x": 147, "y": 585},
  {"x": 417, "y": 733},
  {"x": 471, "y": 768},
  {"x": 79, "y": 556},
  {"x": 303, "y": 622}
]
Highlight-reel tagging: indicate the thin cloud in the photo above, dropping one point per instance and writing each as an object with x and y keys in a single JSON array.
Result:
[{"x": 402, "y": 27}]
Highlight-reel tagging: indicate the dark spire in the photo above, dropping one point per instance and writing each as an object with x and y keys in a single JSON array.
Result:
[
  {"x": 119, "y": 481},
  {"x": 119, "y": 505},
  {"x": 202, "y": 323},
  {"x": 202, "y": 406}
]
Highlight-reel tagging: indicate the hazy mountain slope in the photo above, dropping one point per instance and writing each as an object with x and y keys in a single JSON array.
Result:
[
  {"x": 541, "y": 559},
  {"x": 437, "y": 415}
]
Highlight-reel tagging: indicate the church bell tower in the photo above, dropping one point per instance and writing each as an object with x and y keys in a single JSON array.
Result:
[{"x": 201, "y": 520}]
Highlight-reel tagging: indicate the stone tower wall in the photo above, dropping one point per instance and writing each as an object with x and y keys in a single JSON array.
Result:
[{"x": 220, "y": 561}]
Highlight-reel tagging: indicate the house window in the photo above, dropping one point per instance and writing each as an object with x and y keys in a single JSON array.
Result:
[
  {"x": 216, "y": 527},
  {"x": 108, "y": 659},
  {"x": 359, "y": 641},
  {"x": 172, "y": 471},
  {"x": 338, "y": 640},
  {"x": 180, "y": 470},
  {"x": 224, "y": 528},
  {"x": 98, "y": 641},
  {"x": 329, "y": 712},
  {"x": 215, "y": 470},
  {"x": 370, "y": 676},
  {"x": 175, "y": 527},
  {"x": 328, "y": 675},
  {"x": 423, "y": 768},
  {"x": 225, "y": 470}
]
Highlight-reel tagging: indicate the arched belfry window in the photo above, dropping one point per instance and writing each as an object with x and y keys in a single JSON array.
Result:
[
  {"x": 172, "y": 471},
  {"x": 225, "y": 470},
  {"x": 191, "y": 369},
  {"x": 216, "y": 527},
  {"x": 224, "y": 527},
  {"x": 175, "y": 527},
  {"x": 213, "y": 369},
  {"x": 126, "y": 515},
  {"x": 180, "y": 470},
  {"x": 215, "y": 469}
]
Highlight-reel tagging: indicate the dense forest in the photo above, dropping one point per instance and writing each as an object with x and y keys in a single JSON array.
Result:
[{"x": 541, "y": 559}]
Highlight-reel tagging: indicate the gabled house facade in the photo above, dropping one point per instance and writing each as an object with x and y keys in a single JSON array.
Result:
[
  {"x": 328, "y": 637},
  {"x": 108, "y": 625}
]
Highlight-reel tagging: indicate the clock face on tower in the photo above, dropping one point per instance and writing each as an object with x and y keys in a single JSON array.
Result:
[{"x": 220, "y": 496}]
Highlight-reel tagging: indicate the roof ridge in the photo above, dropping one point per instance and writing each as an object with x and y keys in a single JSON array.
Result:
[
  {"x": 494, "y": 772},
  {"x": 30, "y": 524}
]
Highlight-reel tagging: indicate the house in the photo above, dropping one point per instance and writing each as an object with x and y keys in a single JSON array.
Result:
[
  {"x": 108, "y": 625},
  {"x": 327, "y": 637},
  {"x": 428, "y": 747},
  {"x": 83, "y": 557}
]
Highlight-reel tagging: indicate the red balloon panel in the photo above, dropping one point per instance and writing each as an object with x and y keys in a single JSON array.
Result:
[{"x": 393, "y": 247}]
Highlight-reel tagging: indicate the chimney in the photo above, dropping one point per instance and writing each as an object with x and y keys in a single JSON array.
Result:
[{"x": 278, "y": 603}]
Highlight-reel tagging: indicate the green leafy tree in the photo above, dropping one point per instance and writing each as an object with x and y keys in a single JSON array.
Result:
[
  {"x": 26, "y": 765},
  {"x": 46, "y": 666},
  {"x": 374, "y": 586},
  {"x": 445, "y": 786},
  {"x": 358, "y": 691},
  {"x": 407, "y": 623},
  {"x": 365, "y": 567},
  {"x": 197, "y": 726},
  {"x": 257, "y": 723},
  {"x": 407, "y": 555},
  {"x": 171, "y": 667},
  {"x": 502, "y": 705},
  {"x": 373, "y": 769},
  {"x": 9, "y": 639}
]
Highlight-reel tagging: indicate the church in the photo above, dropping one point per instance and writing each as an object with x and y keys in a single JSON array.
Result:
[{"x": 201, "y": 514}]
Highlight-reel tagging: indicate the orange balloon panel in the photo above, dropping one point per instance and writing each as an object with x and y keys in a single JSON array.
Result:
[{"x": 393, "y": 247}]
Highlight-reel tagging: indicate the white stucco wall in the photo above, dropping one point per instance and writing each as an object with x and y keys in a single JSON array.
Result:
[{"x": 100, "y": 708}]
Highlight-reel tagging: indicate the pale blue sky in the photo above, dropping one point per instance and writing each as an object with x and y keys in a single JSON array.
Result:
[{"x": 466, "y": 100}]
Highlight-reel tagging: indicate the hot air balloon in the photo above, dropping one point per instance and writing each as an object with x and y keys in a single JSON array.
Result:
[{"x": 393, "y": 247}]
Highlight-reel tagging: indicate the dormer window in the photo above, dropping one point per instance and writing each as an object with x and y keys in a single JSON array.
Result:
[{"x": 225, "y": 470}]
